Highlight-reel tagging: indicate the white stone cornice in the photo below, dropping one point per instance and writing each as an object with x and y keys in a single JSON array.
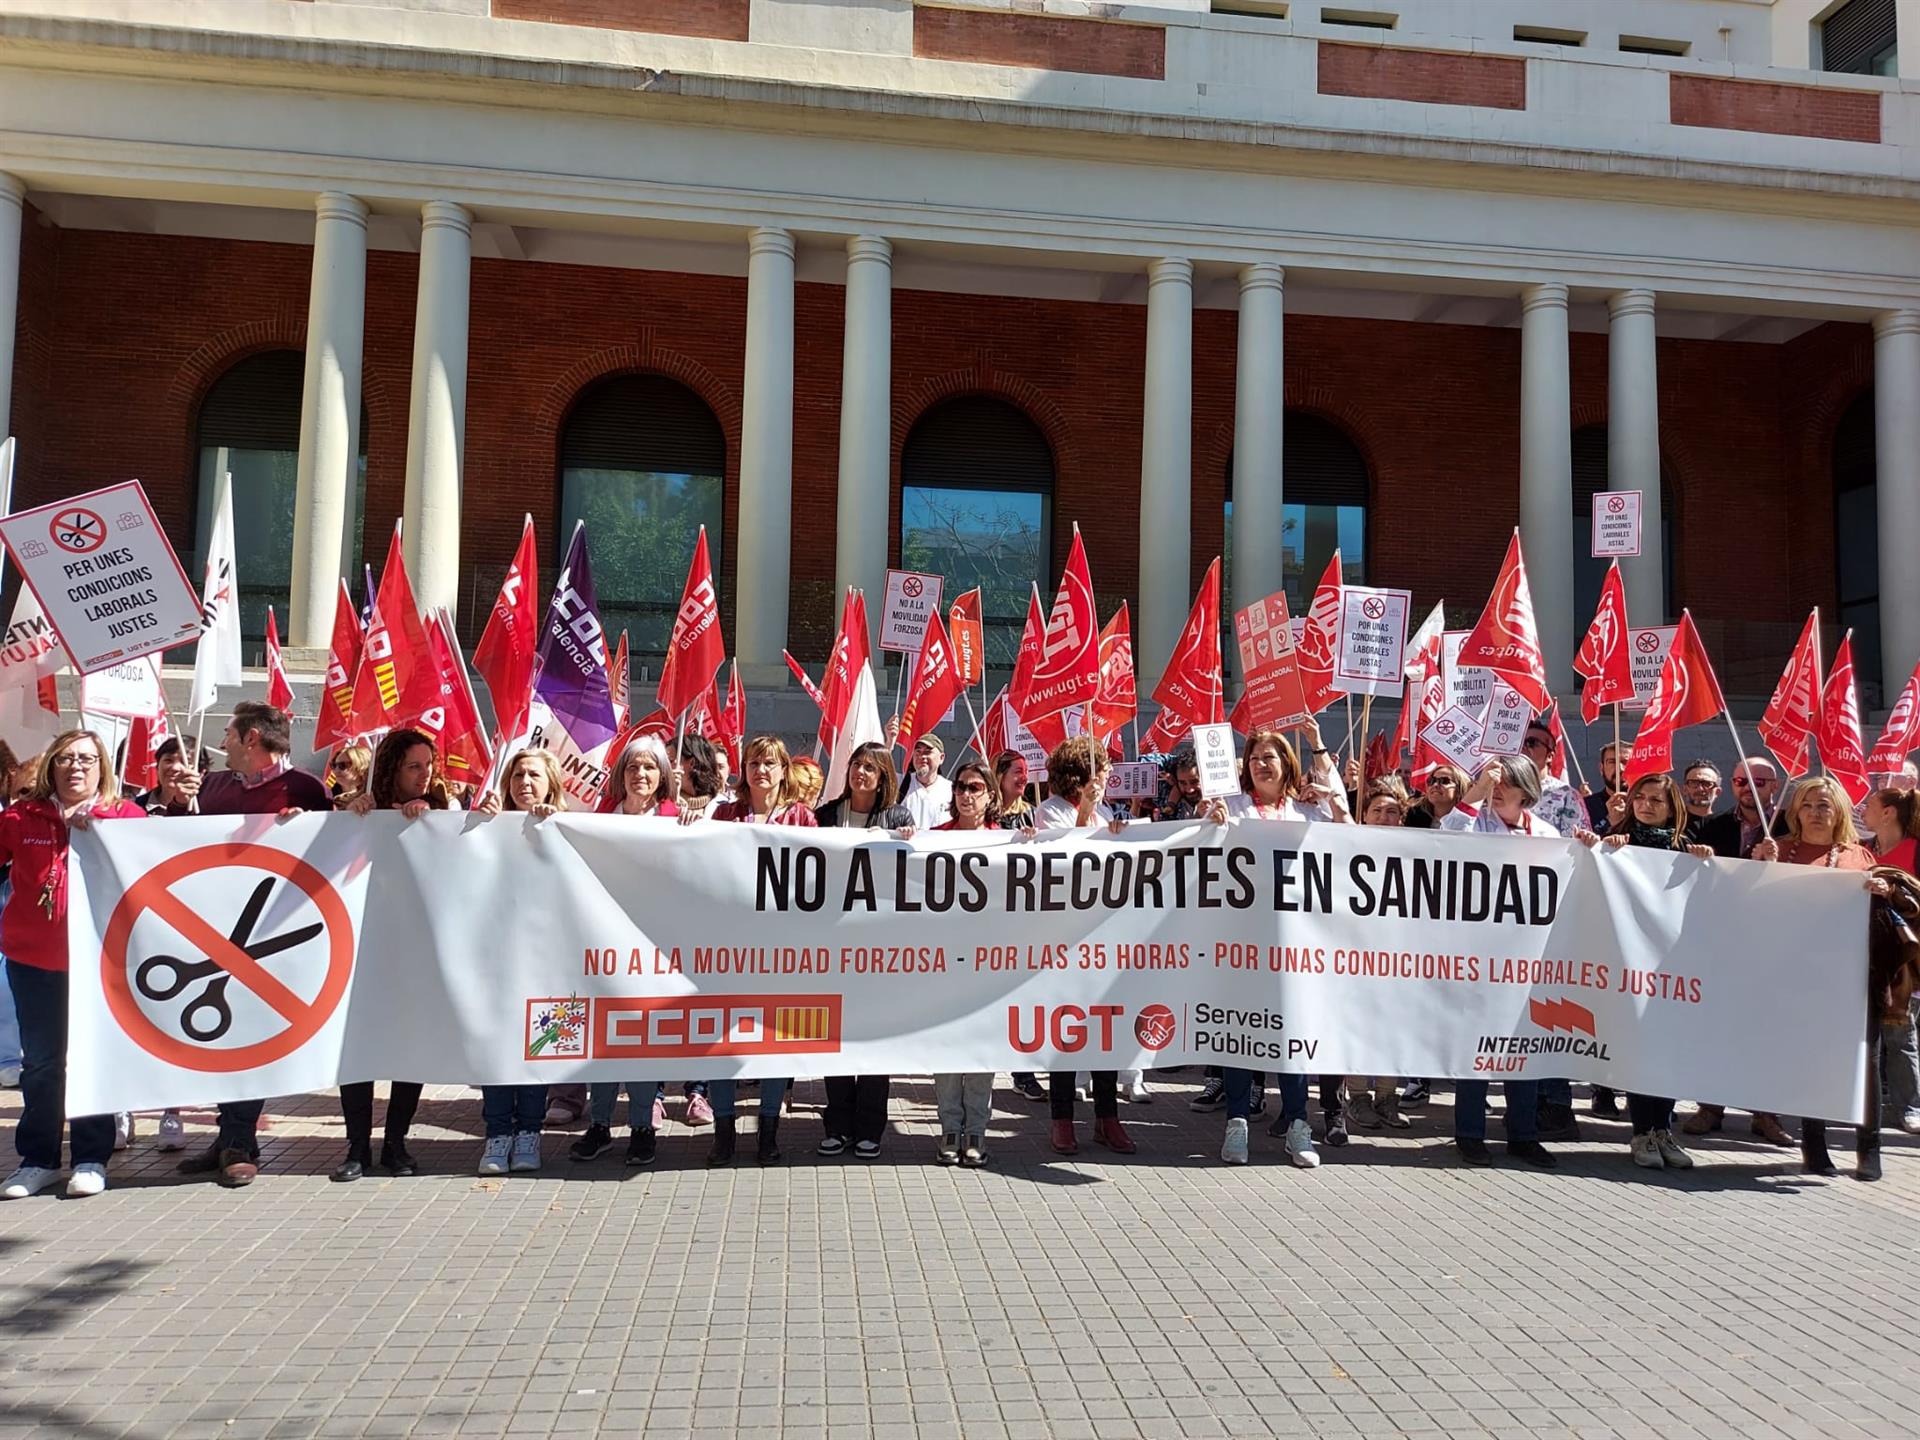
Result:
[{"x": 1896, "y": 322}]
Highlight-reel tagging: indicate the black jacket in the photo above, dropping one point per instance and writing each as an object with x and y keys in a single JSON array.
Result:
[{"x": 894, "y": 817}]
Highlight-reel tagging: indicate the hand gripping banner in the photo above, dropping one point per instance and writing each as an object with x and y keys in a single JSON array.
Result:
[{"x": 215, "y": 959}]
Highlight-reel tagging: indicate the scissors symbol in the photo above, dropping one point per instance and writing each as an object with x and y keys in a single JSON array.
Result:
[{"x": 213, "y": 997}]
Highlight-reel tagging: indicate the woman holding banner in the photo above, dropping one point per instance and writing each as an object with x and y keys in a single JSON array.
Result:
[
  {"x": 1654, "y": 818},
  {"x": 1010, "y": 775},
  {"x": 403, "y": 778},
  {"x": 965, "y": 1102},
  {"x": 856, "y": 1115},
  {"x": 1274, "y": 787},
  {"x": 73, "y": 787},
  {"x": 1376, "y": 1099}
]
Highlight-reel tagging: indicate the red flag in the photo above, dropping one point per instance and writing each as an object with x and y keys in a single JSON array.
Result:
[
  {"x": 1793, "y": 714},
  {"x": 806, "y": 684},
  {"x": 935, "y": 686},
  {"x": 1506, "y": 640},
  {"x": 729, "y": 716},
  {"x": 655, "y": 722},
  {"x": 1901, "y": 737},
  {"x": 1688, "y": 694},
  {"x": 1190, "y": 685},
  {"x": 453, "y": 718},
  {"x": 1029, "y": 656},
  {"x": 1557, "y": 766},
  {"x": 617, "y": 685},
  {"x": 991, "y": 738},
  {"x": 144, "y": 737},
  {"x": 1049, "y": 731},
  {"x": 967, "y": 632},
  {"x": 1117, "y": 701},
  {"x": 1320, "y": 641},
  {"x": 1433, "y": 703},
  {"x": 396, "y": 679},
  {"x": 1240, "y": 717},
  {"x": 1841, "y": 748},
  {"x": 334, "y": 724},
  {"x": 1379, "y": 760},
  {"x": 1066, "y": 666},
  {"x": 1167, "y": 730},
  {"x": 1603, "y": 657},
  {"x": 279, "y": 688},
  {"x": 696, "y": 651},
  {"x": 851, "y": 650},
  {"x": 505, "y": 656}
]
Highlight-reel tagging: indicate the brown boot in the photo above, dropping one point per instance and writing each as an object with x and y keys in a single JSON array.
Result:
[
  {"x": 1769, "y": 1129},
  {"x": 1703, "y": 1121}
]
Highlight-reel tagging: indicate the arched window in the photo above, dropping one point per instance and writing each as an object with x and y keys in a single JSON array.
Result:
[
  {"x": 1856, "y": 537},
  {"x": 976, "y": 501},
  {"x": 643, "y": 461},
  {"x": 1589, "y": 479},
  {"x": 249, "y": 427},
  {"x": 1325, "y": 490}
]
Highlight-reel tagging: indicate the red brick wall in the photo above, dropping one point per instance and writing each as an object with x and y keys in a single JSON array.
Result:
[
  {"x": 1040, "y": 42},
  {"x": 1430, "y": 77},
  {"x": 1815, "y": 111},
  {"x": 130, "y": 329},
  {"x": 708, "y": 19}
]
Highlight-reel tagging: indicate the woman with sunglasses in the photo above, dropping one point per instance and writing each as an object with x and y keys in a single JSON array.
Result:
[
  {"x": 965, "y": 1101},
  {"x": 1445, "y": 788}
]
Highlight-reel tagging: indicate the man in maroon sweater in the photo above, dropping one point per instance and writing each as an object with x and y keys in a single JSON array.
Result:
[{"x": 258, "y": 780}]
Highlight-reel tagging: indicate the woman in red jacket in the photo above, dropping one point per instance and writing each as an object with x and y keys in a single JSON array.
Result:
[{"x": 73, "y": 787}]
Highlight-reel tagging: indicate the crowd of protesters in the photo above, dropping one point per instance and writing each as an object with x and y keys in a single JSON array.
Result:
[{"x": 72, "y": 784}]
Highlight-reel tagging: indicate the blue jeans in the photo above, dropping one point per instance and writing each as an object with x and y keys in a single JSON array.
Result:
[
  {"x": 513, "y": 1109},
  {"x": 604, "y": 1095},
  {"x": 772, "y": 1093},
  {"x": 1470, "y": 1110},
  {"x": 40, "y": 1001},
  {"x": 1293, "y": 1095}
]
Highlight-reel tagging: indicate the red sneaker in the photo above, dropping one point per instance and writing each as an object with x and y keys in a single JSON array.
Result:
[
  {"x": 1112, "y": 1134},
  {"x": 1063, "y": 1141}
]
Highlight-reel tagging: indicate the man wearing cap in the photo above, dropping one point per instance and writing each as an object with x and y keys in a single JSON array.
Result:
[{"x": 929, "y": 794}]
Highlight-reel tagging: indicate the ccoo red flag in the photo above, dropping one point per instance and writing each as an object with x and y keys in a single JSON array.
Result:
[
  {"x": 806, "y": 681},
  {"x": 935, "y": 685},
  {"x": 967, "y": 632},
  {"x": 396, "y": 679},
  {"x": 1603, "y": 659},
  {"x": 696, "y": 651},
  {"x": 1118, "y": 700},
  {"x": 1190, "y": 685},
  {"x": 1901, "y": 735},
  {"x": 1842, "y": 750},
  {"x": 334, "y": 724},
  {"x": 1320, "y": 641},
  {"x": 729, "y": 716},
  {"x": 279, "y": 688},
  {"x": 511, "y": 641},
  {"x": 1066, "y": 666},
  {"x": 852, "y": 648},
  {"x": 1506, "y": 640},
  {"x": 453, "y": 716},
  {"x": 1793, "y": 714},
  {"x": 1688, "y": 694}
]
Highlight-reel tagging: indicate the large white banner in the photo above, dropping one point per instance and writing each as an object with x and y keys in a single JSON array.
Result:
[{"x": 221, "y": 959}]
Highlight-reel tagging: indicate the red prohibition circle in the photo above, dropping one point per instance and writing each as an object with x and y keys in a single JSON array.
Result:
[
  {"x": 1617, "y": 504},
  {"x": 1646, "y": 643},
  {"x": 911, "y": 587},
  {"x": 77, "y": 530},
  {"x": 1375, "y": 607},
  {"x": 153, "y": 892}
]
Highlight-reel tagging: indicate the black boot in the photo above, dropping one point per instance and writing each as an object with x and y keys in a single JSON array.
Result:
[
  {"x": 394, "y": 1158},
  {"x": 359, "y": 1160},
  {"x": 1813, "y": 1149},
  {"x": 1866, "y": 1151},
  {"x": 768, "y": 1149},
  {"x": 642, "y": 1146},
  {"x": 723, "y": 1138}
]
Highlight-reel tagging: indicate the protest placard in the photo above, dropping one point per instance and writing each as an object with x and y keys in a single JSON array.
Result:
[
  {"x": 1373, "y": 638},
  {"x": 911, "y": 599},
  {"x": 1266, "y": 639},
  {"x": 1456, "y": 733},
  {"x": 1647, "y": 648},
  {"x": 1213, "y": 748},
  {"x": 1616, "y": 523}
]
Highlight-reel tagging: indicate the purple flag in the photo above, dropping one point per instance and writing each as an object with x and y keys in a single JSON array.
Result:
[
  {"x": 366, "y": 610},
  {"x": 573, "y": 700}
]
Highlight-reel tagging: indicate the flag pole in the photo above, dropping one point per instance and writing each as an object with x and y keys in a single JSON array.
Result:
[
  {"x": 1739, "y": 759},
  {"x": 1366, "y": 724},
  {"x": 966, "y": 698}
]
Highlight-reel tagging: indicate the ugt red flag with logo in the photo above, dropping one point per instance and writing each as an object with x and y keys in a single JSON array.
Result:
[
  {"x": 1190, "y": 685},
  {"x": 396, "y": 680},
  {"x": 505, "y": 655},
  {"x": 696, "y": 651},
  {"x": 1118, "y": 700},
  {"x": 335, "y": 721},
  {"x": 1603, "y": 658},
  {"x": 1688, "y": 694},
  {"x": 1841, "y": 748},
  {"x": 936, "y": 684},
  {"x": 1901, "y": 736},
  {"x": 1793, "y": 714},
  {"x": 454, "y": 717},
  {"x": 1066, "y": 671},
  {"x": 967, "y": 632},
  {"x": 1506, "y": 640},
  {"x": 1320, "y": 641}
]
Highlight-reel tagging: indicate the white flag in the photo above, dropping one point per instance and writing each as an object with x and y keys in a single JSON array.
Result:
[
  {"x": 216, "y": 659},
  {"x": 862, "y": 727},
  {"x": 29, "y": 659},
  {"x": 7, "y": 447}
]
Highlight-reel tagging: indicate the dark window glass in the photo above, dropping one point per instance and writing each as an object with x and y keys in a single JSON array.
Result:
[{"x": 1856, "y": 539}]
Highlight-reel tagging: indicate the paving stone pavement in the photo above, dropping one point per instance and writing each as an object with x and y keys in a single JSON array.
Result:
[{"x": 1389, "y": 1293}]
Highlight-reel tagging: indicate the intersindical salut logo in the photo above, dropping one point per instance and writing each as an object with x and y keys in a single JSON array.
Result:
[{"x": 1564, "y": 1027}]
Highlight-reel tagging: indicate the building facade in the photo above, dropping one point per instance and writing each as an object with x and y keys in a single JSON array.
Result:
[{"x": 861, "y": 283}]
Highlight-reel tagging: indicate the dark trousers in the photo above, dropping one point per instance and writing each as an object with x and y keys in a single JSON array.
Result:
[
  {"x": 857, "y": 1106},
  {"x": 240, "y": 1126},
  {"x": 40, "y": 1001},
  {"x": 1813, "y": 1133},
  {"x": 356, "y": 1108},
  {"x": 1648, "y": 1112},
  {"x": 1106, "y": 1094}
]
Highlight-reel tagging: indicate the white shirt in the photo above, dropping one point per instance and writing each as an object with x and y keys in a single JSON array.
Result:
[
  {"x": 1465, "y": 819},
  {"x": 1245, "y": 807},
  {"x": 930, "y": 804},
  {"x": 1058, "y": 814}
]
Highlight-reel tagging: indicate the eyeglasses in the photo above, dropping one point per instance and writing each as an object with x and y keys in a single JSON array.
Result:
[
  {"x": 1446, "y": 780},
  {"x": 74, "y": 760},
  {"x": 1534, "y": 742},
  {"x": 973, "y": 787},
  {"x": 1703, "y": 784}
]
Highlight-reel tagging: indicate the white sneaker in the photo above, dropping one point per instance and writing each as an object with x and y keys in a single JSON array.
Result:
[
  {"x": 1135, "y": 1088},
  {"x": 1300, "y": 1145},
  {"x": 1671, "y": 1152},
  {"x": 122, "y": 1130},
  {"x": 1233, "y": 1149},
  {"x": 1646, "y": 1152},
  {"x": 173, "y": 1134},
  {"x": 27, "y": 1180},
  {"x": 87, "y": 1179},
  {"x": 9, "y": 1077},
  {"x": 526, "y": 1150},
  {"x": 495, "y": 1159},
  {"x": 1909, "y": 1119}
]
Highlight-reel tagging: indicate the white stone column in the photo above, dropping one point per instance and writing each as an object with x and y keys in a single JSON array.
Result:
[
  {"x": 1546, "y": 475},
  {"x": 1166, "y": 466},
  {"x": 1896, "y": 466},
  {"x": 1259, "y": 432},
  {"x": 13, "y": 197},
  {"x": 763, "y": 551},
  {"x": 437, "y": 412},
  {"x": 866, "y": 424},
  {"x": 329, "y": 418},
  {"x": 1633, "y": 446}
]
